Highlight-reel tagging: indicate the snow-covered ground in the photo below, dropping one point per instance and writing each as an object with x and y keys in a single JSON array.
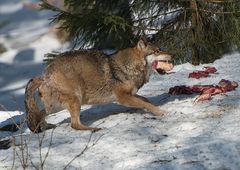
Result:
[{"x": 191, "y": 136}]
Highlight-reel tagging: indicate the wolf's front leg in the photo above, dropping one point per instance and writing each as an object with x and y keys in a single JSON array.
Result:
[{"x": 136, "y": 101}]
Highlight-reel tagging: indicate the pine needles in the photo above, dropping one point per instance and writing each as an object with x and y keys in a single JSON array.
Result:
[{"x": 192, "y": 30}]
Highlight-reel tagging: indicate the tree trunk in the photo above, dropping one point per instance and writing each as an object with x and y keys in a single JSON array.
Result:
[{"x": 194, "y": 27}]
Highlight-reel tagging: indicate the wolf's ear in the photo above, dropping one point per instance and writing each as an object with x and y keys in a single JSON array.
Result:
[{"x": 142, "y": 43}]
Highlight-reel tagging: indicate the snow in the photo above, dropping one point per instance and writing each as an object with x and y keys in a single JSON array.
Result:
[{"x": 190, "y": 136}]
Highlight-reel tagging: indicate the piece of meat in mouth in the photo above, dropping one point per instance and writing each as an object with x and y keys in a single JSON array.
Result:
[{"x": 163, "y": 63}]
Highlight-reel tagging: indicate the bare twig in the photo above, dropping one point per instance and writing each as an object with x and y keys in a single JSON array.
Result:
[
  {"x": 41, "y": 158},
  {"x": 217, "y": 1},
  {"x": 219, "y": 12},
  {"x": 40, "y": 141},
  {"x": 49, "y": 146},
  {"x": 2, "y": 107},
  {"x": 14, "y": 152},
  {"x": 78, "y": 155},
  {"x": 33, "y": 164},
  {"x": 24, "y": 156},
  {"x": 85, "y": 148}
]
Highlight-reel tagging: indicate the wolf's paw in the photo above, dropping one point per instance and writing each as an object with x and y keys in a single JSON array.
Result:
[
  {"x": 96, "y": 129},
  {"x": 83, "y": 127},
  {"x": 159, "y": 112}
]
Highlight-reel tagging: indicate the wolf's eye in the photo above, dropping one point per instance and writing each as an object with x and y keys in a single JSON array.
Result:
[{"x": 157, "y": 51}]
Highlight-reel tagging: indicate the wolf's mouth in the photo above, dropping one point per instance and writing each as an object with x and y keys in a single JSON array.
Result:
[
  {"x": 162, "y": 66},
  {"x": 160, "y": 62}
]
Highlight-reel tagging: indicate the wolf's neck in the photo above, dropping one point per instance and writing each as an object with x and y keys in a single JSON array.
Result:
[{"x": 128, "y": 56}]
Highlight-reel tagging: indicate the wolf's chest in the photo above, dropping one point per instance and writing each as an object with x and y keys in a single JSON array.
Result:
[{"x": 140, "y": 74}]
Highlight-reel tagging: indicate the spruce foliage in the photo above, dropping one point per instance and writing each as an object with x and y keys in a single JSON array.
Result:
[{"x": 192, "y": 30}]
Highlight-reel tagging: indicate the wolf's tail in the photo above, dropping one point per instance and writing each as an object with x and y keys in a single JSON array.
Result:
[{"x": 35, "y": 116}]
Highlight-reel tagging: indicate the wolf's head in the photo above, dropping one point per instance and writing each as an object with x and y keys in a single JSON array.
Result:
[
  {"x": 146, "y": 48},
  {"x": 160, "y": 61}
]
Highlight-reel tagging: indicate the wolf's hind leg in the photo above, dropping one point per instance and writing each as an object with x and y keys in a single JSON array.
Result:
[{"x": 73, "y": 105}]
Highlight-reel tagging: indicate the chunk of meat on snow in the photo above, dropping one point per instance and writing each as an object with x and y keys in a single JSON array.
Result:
[
  {"x": 205, "y": 73},
  {"x": 206, "y": 91}
]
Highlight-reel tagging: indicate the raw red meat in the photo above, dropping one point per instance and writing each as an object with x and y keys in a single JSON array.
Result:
[
  {"x": 180, "y": 90},
  {"x": 198, "y": 74},
  {"x": 200, "y": 88},
  {"x": 210, "y": 69},
  {"x": 227, "y": 85},
  {"x": 206, "y": 91},
  {"x": 202, "y": 98},
  {"x": 205, "y": 73}
]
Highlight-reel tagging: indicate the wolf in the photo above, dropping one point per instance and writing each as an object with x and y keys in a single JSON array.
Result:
[{"x": 91, "y": 77}]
